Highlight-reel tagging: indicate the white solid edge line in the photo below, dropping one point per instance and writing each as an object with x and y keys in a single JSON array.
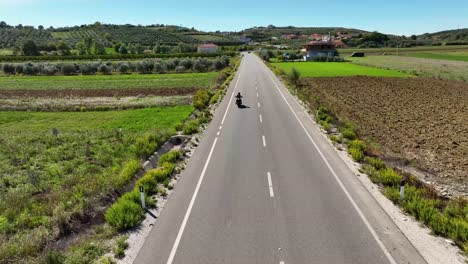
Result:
[
  {"x": 340, "y": 183},
  {"x": 264, "y": 141},
  {"x": 232, "y": 96},
  {"x": 270, "y": 185},
  {"x": 189, "y": 209}
]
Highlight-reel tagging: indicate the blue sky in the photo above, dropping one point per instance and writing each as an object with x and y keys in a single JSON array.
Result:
[{"x": 388, "y": 16}]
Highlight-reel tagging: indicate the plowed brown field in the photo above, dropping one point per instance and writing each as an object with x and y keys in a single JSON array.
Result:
[{"x": 419, "y": 119}]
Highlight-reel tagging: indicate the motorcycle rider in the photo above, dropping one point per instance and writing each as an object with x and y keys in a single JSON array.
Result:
[
  {"x": 239, "y": 96},
  {"x": 239, "y": 99}
]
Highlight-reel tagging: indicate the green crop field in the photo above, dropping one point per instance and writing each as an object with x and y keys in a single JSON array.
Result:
[
  {"x": 179, "y": 80},
  {"x": 440, "y": 56},
  {"x": 333, "y": 69},
  {"x": 50, "y": 184}
]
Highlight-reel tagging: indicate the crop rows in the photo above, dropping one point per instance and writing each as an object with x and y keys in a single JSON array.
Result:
[{"x": 10, "y": 37}]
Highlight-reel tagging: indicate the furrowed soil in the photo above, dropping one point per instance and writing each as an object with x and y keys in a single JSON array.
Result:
[{"x": 422, "y": 120}]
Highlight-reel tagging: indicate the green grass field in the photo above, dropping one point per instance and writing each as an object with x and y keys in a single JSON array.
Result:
[
  {"x": 440, "y": 69},
  {"x": 334, "y": 69},
  {"x": 49, "y": 183},
  {"x": 440, "y": 56},
  {"x": 179, "y": 80},
  {"x": 406, "y": 50}
]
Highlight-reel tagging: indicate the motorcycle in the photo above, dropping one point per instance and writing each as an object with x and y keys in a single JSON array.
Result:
[{"x": 239, "y": 102}]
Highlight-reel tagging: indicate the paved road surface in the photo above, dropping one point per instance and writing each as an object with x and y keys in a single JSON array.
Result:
[{"x": 265, "y": 187}]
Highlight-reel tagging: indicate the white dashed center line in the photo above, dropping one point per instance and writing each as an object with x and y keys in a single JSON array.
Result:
[
  {"x": 261, "y": 119},
  {"x": 264, "y": 141},
  {"x": 270, "y": 185}
]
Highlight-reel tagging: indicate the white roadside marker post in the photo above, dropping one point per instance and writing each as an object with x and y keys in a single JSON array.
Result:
[
  {"x": 142, "y": 196},
  {"x": 402, "y": 190}
]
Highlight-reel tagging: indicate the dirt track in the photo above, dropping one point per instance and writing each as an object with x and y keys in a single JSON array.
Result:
[
  {"x": 419, "y": 119},
  {"x": 4, "y": 94}
]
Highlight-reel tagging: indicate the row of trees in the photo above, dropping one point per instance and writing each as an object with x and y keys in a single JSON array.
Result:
[{"x": 144, "y": 67}]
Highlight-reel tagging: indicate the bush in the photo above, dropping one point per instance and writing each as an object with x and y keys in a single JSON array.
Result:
[
  {"x": 122, "y": 245},
  {"x": 130, "y": 168},
  {"x": 144, "y": 146},
  {"x": 123, "y": 68},
  {"x": 148, "y": 182},
  {"x": 356, "y": 154},
  {"x": 294, "y": 76},
  {"x": 201, "y": 99},
  {"x": 124, "y": 214},
  {"x": 389, "y": 177},
  {"x": 171, "y": 156},
  {"x": 377, "y": 163},
  {"x": 191, "y": 127},
  {"x": 104, "y": 69},
  {"x": 357, "y": 144},
  {"x": 68, "y": 69},
  {"x": 348, "y": 133},
  {"x": 393, "y": 194},
  {"x": 180, "y": 69},
  {"x": 8, "y": 68}
]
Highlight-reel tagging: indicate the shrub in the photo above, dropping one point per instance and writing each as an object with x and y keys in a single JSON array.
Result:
[
  {"x": 171, "y": 156},
  {"x": 104, "y": 69},
  {"x": 54, "y": 257},
  {"x": 180, "y": 69},
  {"x": 191, "y": 127},
  {"x": 336, "y": 139},
  {"x": 123, "y": 68},
  {"x": 357, "y": 144},
  {"x": 389, "y": 177},
  {"x": 377, "y": 163},
  {"x": 392, "y": 193},
  {"x": 144, "y": 146},
  {"x": 148, "y": 182},
  {"x": 67, "y": 69},
  {"x": 124, "y": 214},
  {"x": 130, "y": 168},
  {"x": 122, "y": 245},
  {"x": 201, "y": 99},
  {"x": 356, "y": 154},
  {"x": 348, "y": 133},
  {"x": 8, "y": 68},
  {"x": 294, "y": 75}
]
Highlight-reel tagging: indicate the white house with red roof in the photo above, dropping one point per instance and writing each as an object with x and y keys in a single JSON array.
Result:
[{"x": 207, "y": 48}]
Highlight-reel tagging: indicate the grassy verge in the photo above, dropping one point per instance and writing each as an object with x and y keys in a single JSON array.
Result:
[
  {"x": 59, "y": 169},
  {"x": 447, "y": 218},
  {"x": 175, "y": 80}
]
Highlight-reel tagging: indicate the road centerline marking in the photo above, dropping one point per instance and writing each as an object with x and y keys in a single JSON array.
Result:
[
  {"x": 258, "y": 104},
  {"x": 260, "y": 117},
  {"x": 189, "y": 209},
  {"x": 340, "y": 183},
  {"x": 264, "y": 141},
  {"x": 270, "y": 185}
]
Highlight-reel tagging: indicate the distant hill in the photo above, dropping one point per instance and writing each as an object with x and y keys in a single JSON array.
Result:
[
  {"x": 455, "y": 35},
  {"x": 264, "y": 33},
  {"x": 11, "y": 36}
]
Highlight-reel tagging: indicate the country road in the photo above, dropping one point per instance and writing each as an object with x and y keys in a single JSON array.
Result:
[{"x": 264, "y": 186}]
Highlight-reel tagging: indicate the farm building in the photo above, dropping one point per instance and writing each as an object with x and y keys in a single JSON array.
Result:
[
  {"x": 207, "y": 48},
  {"x": 320, "y": 49}
]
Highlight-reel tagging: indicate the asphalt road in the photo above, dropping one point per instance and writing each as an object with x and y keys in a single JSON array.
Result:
[{"x": 264, "y": 186}]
